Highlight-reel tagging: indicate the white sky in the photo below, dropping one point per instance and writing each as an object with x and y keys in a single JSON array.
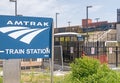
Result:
[{"x": 70, "y": 10}]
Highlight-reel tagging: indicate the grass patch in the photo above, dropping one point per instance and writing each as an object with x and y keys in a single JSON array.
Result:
[
  {"x": 39, "y": 78},
  {"x": 1, "y": 80}
]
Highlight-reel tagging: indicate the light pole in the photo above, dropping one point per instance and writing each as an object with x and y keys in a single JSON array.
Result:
[
  {"x": 69, "y": 25},
  {"x": 97, "y": 19},
  {"x": 15, "y": 1},
  {"x": 56, "y": 18},
  {"x": 97, "y": 24},
  {"x": 87, "y": 19}
]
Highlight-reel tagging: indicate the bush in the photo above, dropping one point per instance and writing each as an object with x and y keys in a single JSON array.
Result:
[
  {"x": 89, "y": 70},
  {"x": 84, "y": 67}
]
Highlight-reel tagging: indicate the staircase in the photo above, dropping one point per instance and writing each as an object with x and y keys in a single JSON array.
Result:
[{"x": 109, "y": 35}]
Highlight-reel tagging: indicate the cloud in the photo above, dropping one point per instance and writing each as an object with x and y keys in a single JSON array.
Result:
[
  {"x": 73, "y": 10},
  {"x": 96, "y": 8},
  {"x": 5, "y": 7},
  {"x": 35, "y": 7}
]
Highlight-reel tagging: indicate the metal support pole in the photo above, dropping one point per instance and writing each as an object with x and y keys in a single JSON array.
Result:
[
  {"x": 52, "y": 57},
  {"x": 51, "y": 69},
  {"x": 87, "y": 19},
  {"x": 97, "y": 49},
  {"x": 69, "y": 26},
  {"x": 15, "y": 1},
  {"x": 116, "y": 56},
  {"x": 12, "y": 67},
  {"x": 56, "y": 18},
  {"x": 16, "y": 8}
]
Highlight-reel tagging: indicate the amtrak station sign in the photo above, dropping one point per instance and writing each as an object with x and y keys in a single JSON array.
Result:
[{"x": 25, "y": 37}]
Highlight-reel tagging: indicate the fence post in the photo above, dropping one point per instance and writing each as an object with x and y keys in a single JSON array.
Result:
[
  {"x": 116, "y": 56},
  {"x": 97, "y": 49}
]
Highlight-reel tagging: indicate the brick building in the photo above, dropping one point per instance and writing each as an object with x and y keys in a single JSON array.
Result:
[{"x": 92, "y": 24}]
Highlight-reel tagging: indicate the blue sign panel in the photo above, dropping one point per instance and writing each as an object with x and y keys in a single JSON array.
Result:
[{"x": 25, "y": 37}]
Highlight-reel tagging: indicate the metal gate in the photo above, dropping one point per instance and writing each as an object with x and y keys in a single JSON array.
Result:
[{"x": 106, "y": 53}]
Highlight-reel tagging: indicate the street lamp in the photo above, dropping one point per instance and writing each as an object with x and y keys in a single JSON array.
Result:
[
  {"x": 56, "y": 18},
  {"x": 97, "y": 19},
  {"x": 15, "y": 1},
  {"x": 69, "y": 25},
  {"x": 87, "y": 19}
]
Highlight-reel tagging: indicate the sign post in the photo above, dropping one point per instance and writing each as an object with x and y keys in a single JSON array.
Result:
[
  {"x": 11, "y": 69},
  {"x": 25, "y": 37}
]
